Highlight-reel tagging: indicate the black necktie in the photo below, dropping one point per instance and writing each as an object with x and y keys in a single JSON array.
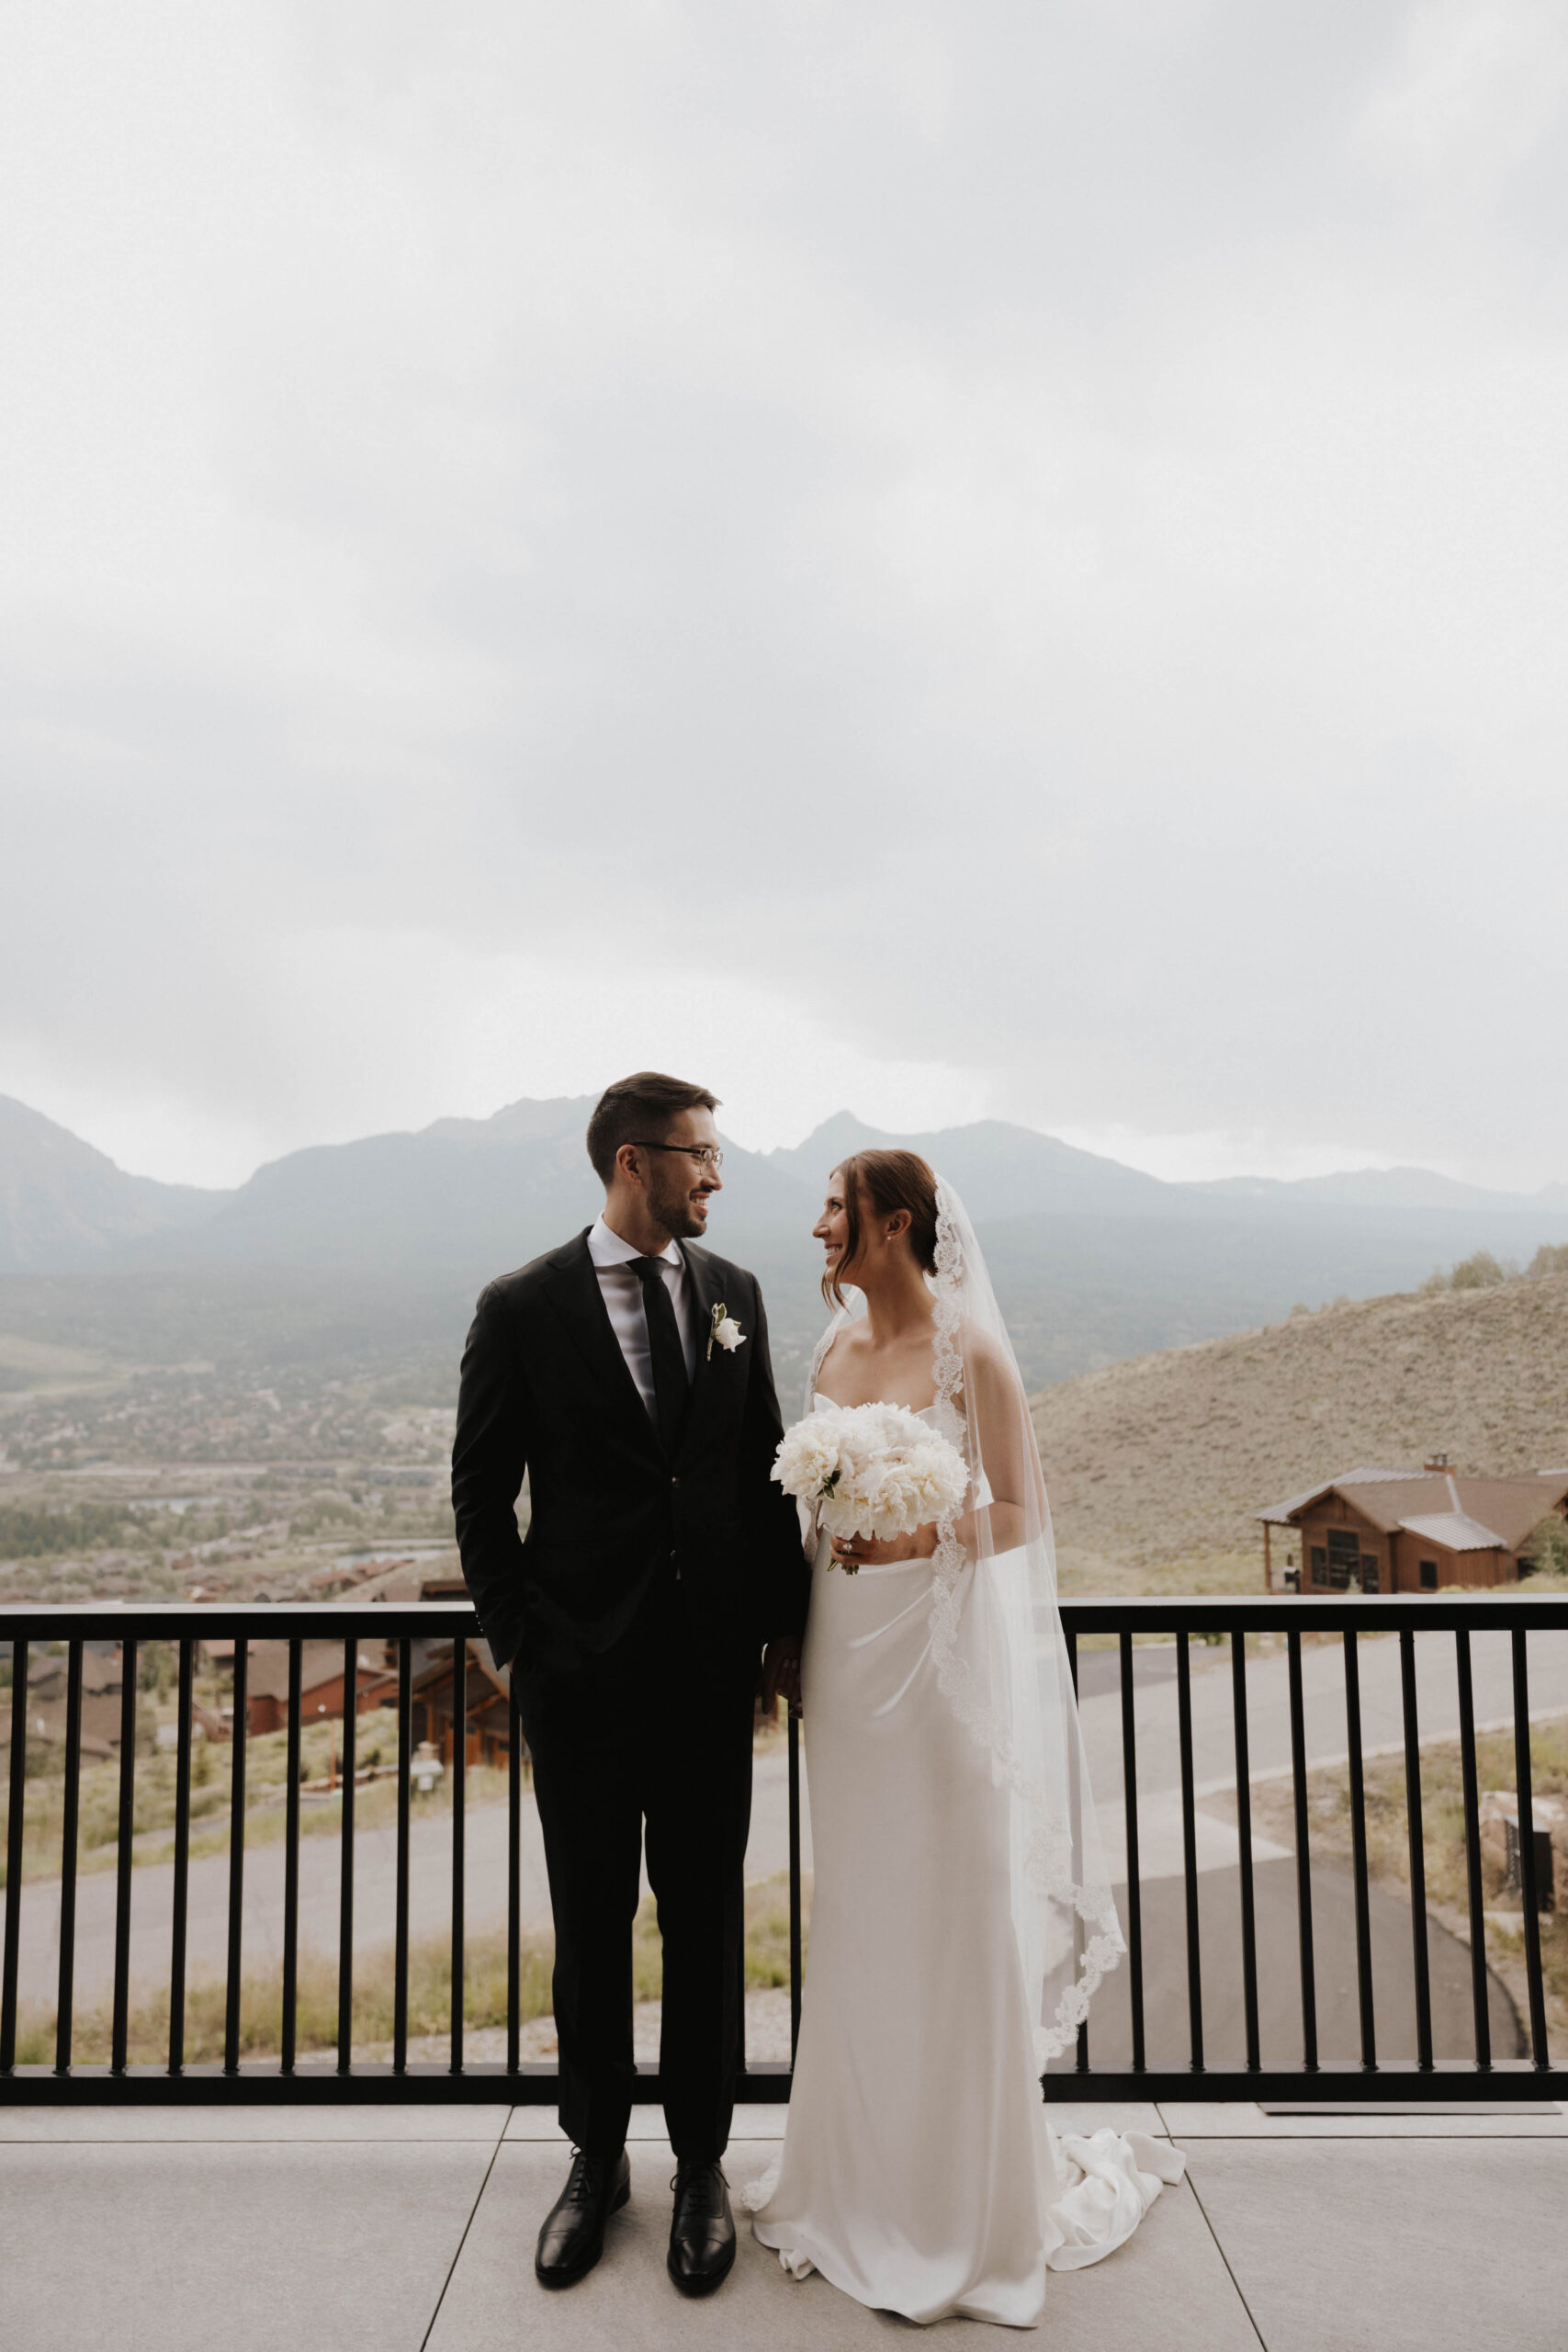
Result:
[{"x": 670, "y": 1384}]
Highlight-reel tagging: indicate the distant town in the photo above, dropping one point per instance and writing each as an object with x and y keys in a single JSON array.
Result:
[{"x": 193, "y": 1485}]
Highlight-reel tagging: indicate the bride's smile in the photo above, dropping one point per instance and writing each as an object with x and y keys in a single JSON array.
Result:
[{"x": 832, "y": 1228}]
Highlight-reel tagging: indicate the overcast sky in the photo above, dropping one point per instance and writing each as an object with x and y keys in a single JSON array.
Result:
[{"x": 949, "y": 559}]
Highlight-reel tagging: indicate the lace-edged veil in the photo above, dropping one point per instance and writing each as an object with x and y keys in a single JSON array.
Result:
[{"x": 998, "y": 1645}]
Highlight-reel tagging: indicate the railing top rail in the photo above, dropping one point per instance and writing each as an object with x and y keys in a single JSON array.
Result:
[
  {"x": 256, "y": 1620},
  {"x": 1385, "y": 1612},
  {"x": 1167, "y": 1613}
]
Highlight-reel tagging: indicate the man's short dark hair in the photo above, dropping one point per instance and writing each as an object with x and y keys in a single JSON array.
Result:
[{"x": 641, "y": 1107}]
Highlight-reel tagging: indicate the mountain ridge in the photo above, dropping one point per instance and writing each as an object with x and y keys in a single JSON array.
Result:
[
  {"x": 63, "y": 1203},
  {"x": 62, "y": 1199},
  {"x": 1093, "y": 1262}
]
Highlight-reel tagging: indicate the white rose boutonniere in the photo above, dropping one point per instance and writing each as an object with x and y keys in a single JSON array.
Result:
[{"x": 725, "y": 1330}]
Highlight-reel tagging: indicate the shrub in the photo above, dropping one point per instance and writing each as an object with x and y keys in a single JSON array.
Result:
[
  {"x": 1481, "y": 1271},
  {"x": 1547, "y": 1550}
]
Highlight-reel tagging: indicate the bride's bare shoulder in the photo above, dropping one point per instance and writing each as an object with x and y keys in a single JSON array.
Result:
[
  {"x": 841, "y": 1349},
  {"x": 983, "y": 1348},
  {"x": 990, "y": 1372}
]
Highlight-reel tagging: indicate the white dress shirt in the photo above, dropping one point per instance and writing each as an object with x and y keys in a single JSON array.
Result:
[{"x": 621, "y": 1293}]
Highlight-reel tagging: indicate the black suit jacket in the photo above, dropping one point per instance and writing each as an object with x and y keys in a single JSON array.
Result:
[{"x": 545, "y": 1389}]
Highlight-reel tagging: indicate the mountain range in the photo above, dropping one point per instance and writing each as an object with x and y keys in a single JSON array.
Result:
[{"x": 1094, "y": 1260}]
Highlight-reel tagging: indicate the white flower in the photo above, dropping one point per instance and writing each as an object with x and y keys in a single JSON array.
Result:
[
  {"x": 874, "y": 1470},
  {"x": 725, "y": 1330},
  {"x": 807, "y": 1457}
]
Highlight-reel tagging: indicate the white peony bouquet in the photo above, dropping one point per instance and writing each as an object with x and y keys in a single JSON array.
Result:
[{"x": 875, "y": 1470}]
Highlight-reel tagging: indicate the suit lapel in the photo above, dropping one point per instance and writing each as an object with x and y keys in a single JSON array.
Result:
[
  {"x": 705, "y": 1296},
  {"x": 580, "y": 1303}
]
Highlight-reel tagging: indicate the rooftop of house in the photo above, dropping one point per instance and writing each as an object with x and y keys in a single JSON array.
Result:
[
  {"x": 319, "y": 1662},
  {"x": 98, "y": 1674},
  {"x": 1464, "y": 1514}
]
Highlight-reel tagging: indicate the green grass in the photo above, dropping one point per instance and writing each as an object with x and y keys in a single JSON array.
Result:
[
  {"x": 1090, "y": 1576},
  {"x": 430, "y": 1993}
]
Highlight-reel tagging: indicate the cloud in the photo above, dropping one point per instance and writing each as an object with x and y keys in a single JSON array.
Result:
[{"x": 1016, "y": 557}]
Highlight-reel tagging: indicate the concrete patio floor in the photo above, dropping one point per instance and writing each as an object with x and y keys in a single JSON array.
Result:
[{"x": 154, "y": 2230}]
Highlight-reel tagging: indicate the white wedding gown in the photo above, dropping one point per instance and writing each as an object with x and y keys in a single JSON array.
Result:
[{"x": 918, "y": 2173}]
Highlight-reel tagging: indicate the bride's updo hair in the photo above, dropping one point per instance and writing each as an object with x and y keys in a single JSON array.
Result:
[{"x": 879, "y": 1183}]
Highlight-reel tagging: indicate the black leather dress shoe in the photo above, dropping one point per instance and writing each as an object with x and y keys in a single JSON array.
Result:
[
  {"x": 702, "y": 2234},
  {"x": 573, "y": 2236}
]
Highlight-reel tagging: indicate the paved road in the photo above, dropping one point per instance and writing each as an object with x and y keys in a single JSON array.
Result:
[
  {"x": 1166, "y": 2023},
  {"x": 1268, "y": 1724},
  {"x": 375, "y": 1891}
]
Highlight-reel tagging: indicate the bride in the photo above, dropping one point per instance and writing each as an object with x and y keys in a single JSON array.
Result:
[{"x": 962, "y": 1916}]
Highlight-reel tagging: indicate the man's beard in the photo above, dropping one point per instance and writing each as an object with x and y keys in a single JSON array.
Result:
[{"x": 671, "y": 1205}]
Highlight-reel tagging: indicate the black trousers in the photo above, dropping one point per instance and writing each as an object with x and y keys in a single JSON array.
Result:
[{"x": 659, "y": 1733}]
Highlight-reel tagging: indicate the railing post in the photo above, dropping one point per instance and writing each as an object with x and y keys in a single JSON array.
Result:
[
  {"x": 1130, "y": 1816},
  {"x": 1359, "y": 1855},
  {"x": 345, "y": 1846},
  {"x": 125, "y": 1856},
  {"x": 14, "y": 1822},
  {"x": 1243, "y": 1845},
  {"x": 65, "y": 1991},
  {"x": 1418, "y": 1955},
  {"x": 236, "y": 1860},
  {"x": 1189, "y": 1854},
  {"x": 1479, "y": 1984},
  {"x": 1075, "y": 1819},
  {"x": 1303, "y": 1856},
  {"x": 460, "y": 1783},
  {"x": 184, "y": 1733},
  {"x": 1528, "y": 1889},
  {"x": 293, "y": 1767},
  {"x": 400, "y": 1915}
]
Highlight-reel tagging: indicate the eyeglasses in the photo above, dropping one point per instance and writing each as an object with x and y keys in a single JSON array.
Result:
[{"x": 708, "y": 1158}]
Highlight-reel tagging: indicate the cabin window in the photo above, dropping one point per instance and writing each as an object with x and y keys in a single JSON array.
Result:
[
  {"x": 1428, "y": 1575},
  {"x": 1319, "y": 1565},
  {"x": 1369, "y": 1579},
  {"x": 1344, "y": 1558}
]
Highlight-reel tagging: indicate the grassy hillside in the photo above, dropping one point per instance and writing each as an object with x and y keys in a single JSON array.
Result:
[{"x": 1161, "y": 1463}]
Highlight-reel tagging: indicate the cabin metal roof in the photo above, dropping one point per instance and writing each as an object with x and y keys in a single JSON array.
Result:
[
  {"x": 1454, "y": 1532},
  {"x": 1480, "y": 1513}
]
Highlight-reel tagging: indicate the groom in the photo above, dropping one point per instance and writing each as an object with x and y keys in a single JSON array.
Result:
[{"x": 627, "y": 1373}]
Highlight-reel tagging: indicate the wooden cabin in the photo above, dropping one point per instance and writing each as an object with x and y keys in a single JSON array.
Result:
[
  {"x": 1411, "y": 1531},
  {"x": 487, "y": 1706},
  {"x": 321, "y": 1683}
]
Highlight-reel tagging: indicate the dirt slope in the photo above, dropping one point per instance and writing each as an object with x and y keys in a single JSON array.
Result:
[{"x": 1170, "y": 1455}]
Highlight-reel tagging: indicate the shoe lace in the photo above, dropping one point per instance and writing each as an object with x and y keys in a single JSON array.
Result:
[
  {"x": 585, "y": 2178},
  {"x": 700, "y": 2184}
]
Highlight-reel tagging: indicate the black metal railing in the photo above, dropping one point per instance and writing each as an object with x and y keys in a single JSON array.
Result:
[
  {"x": 1164, "y": 2046},
  {"x": 1311, "y": 2073}
]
